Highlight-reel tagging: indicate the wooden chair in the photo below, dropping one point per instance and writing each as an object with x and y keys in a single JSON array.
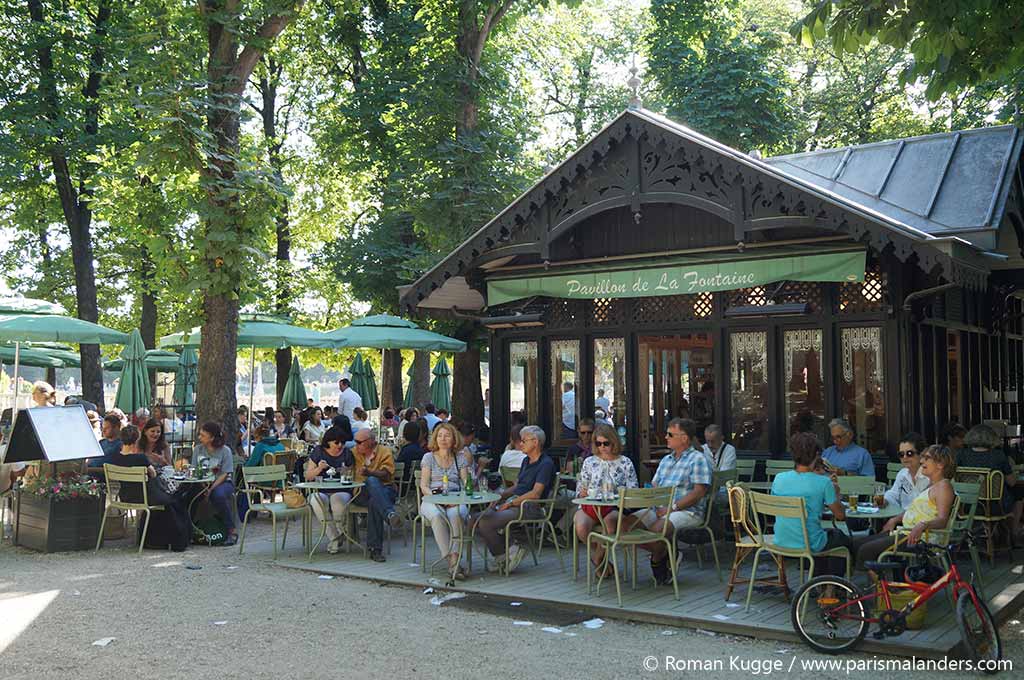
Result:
[
  {"x": 990, "y": 513},
  {"x": 748, "y": 538},
  {"x": 790, "y": 507},
  {"x": 891, "y": 470},
  {"x": 774, "y": 467},
  {"x": 745, "y": 468},
  {"x": 254, "y": 480},
  {"x": 542, "y": 523},
  {"x": 127, "y": 475},
  {"x": 634, "y": 499},
  {"x": 718, "y": 480}
]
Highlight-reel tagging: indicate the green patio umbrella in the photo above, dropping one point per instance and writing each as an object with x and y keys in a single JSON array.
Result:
[
  {"x": 441, "y": 387},
  {"x": 407, "y": 401},
  {"x": 294, "y": 390},
  {"x": 133, "y": 391},
  {"x": 256, "y": 330},
  {"x": 26, "y": 326},
  {"x": 156, "y": 360},
  {"x": 15, "y": 304},
  {"x": 185, "y": 380},
  {"x": 58, "y": 350},
  {"x": 28, "y": 356},
  {"x": 362, "y": 382}
]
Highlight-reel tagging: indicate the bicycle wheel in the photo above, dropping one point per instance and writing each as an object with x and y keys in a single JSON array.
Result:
[
  {"x": 978, "y": 630},
  {"x": 820, "y": 618}
]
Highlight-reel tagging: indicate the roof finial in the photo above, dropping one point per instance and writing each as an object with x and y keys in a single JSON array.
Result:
[{"x": 634, "y": 83}]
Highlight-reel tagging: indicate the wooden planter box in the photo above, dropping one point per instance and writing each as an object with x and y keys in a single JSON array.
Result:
[{"x": 54, "y": 526}]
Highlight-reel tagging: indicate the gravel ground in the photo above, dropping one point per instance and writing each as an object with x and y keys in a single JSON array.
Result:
[{"x": 257, "y": 620}]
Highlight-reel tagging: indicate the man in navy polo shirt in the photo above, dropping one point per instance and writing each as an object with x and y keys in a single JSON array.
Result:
[{"x": 536, "y": 477}]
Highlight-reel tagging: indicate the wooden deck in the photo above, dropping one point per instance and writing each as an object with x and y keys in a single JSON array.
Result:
[{"x": 701, "y": 603}]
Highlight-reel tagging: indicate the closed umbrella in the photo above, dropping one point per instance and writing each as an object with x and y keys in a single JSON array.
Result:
[
  {"x": 156, "y": 360},
  {"x": 441, "y": 387},
  {"x": 407, "y": 401},
  {"x": 294, "y": 395},
  {"x": 133, "y": 390},
  {"x": 362, "y": 382},
  {"x": 28, "y": 326},
  {"x": 257, "y": 330},
  {"x": 384, "y": 331},
  {"x": 185, "y": 377}
]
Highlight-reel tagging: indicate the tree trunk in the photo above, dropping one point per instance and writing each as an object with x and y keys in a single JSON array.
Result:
[
  {"x": 391, "y": 377},
  {"x": 420, "y": 378},
  {"x": 148, "y": 316},
  {"x": 467, "y": 397},
  {"x": 283, "y": 364},
  {"x": 215, "y": 391}
]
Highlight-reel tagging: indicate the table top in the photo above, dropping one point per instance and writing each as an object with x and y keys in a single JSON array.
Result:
[
  {"x": 193, "y": 480},
  {"x": 890, "y": 510},
  {"x": 477, "y": 498},
  {"x": 613, "y": 503},
  {"x": 329, "y": 485}
]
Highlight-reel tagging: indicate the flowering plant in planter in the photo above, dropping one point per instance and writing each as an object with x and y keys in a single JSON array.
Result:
[{"x": 66, "y": 486}]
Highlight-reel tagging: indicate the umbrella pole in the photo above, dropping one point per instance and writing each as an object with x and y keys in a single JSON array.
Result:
[
  {"x": 380, "y": 404},
  {"x": 14, "y": 384},
  {"x": 252, "y": 386}
]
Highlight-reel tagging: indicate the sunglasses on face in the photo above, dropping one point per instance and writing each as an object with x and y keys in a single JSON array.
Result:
[
  {"x": 602, "y": 443},
  {"x": 672, "y": 434},
  {"x": 907, "y": 454}
]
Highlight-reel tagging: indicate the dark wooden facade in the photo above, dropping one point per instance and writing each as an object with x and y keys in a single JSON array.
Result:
[{"x": 951, "y": 330}]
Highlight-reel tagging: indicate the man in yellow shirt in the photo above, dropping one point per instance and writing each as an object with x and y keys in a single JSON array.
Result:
[{"x": 375, "y": 467}]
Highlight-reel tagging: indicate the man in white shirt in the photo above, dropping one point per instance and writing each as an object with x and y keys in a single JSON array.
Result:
[
  {"x": 602, "y": 401},
  {"x": 568, "y": 411},
  {"x": 349, "y": 399},
  {"x": 721, "y": 456}
]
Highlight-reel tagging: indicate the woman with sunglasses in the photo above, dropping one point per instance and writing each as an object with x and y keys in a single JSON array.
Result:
[
  {"x": 606, "y": 463},
  {"x": 909, "y": 483},
  {"x": 930, "y": 510}
]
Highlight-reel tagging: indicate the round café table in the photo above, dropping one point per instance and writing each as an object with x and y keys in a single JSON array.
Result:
[
  {"x": 865, "y": 511},
  {"x": 316, "y": 487},
  {"x": 597, "y": 503},
  {"x": 447, "y": 500}
]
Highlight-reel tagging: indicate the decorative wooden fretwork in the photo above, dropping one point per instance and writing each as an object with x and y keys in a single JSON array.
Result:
[
  {"x": 664, "y": 309},
  {"x": 871, "y": 295},
  {"x": 802, "y": 291},
  {"x": 748, "y": 297},
  {"x": 704, "y": 305},
  {"x": 608, "y": 312},
  {"x": 564, "y": 313}
]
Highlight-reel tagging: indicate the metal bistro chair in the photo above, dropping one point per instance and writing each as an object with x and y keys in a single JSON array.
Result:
[
  {"x": 718, "y": 480},
  {"x": 634, "y": 499},
  {"x": 127, "y": 475},
  {"x": 418, "y": 519},
  {"x": 254, "y": 482},
  {"x": 792, "y": 508},
  {"x": 509, "y": 475},
  {"x": 968, "y": 493},
  {"x": 745, "y": 469},
  {"x": 990, "y": 513},
  {"x": 891, "y": 470},
  {"x": 774, "y": 467},
  {"x": 535, "y": 543}
]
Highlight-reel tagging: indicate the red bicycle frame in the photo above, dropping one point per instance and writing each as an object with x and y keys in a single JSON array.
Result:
[{"x": 924, "y": 592}]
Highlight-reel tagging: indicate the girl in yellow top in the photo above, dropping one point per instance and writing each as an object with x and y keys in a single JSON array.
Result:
[{"x": 930, "y": 510}]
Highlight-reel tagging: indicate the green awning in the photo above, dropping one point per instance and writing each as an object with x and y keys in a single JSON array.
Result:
[{"x": 687, "y": 278}]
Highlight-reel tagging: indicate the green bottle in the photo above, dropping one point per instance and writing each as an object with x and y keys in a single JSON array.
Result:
[{"x": 469, "y": 484}]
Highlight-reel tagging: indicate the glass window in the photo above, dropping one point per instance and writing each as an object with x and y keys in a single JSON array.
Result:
[
  {"x": 524, "y": 388},
  {"x": 565, "y": 382},
  {"x": 610, "y": 380},
  {"x": 805, "y": 389},
  {"x": 862, "y": 384},
  {"x": 953, "y": 355},
  {"x": 749, "y": 377}
]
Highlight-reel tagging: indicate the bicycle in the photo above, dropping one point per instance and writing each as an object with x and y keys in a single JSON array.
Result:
[{"x": 831, "y": 614}]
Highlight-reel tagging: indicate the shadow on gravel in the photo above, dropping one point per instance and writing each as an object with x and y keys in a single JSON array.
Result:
[{"x": 546, "y": 614}]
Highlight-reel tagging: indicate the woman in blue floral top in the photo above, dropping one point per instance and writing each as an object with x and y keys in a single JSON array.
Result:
[{"x": 607, "y": 462}]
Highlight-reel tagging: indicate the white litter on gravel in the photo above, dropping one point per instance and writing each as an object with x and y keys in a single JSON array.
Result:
[
  {"x": 515, "y": 604},
  {"x": 438, "y": 600},
  {"x": 593, "y": 623},
  {"x": 325, "y": 577},
  {"x": 103, "y": 642},
  {"x": 220, "y": 623},
  {"x": 551, "y": 629},
  {"x": 522, "y": 623}
]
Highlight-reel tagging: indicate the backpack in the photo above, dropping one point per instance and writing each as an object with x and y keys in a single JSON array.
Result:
[{"x": 208, "y": 528}]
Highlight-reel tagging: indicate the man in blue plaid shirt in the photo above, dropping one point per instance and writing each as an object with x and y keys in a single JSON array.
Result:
[{"x": 686, "y": 468}]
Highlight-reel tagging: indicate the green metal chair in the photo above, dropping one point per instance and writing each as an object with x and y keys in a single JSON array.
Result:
[
  {"x": 542, "y": 523},
  {"x": 126, "y": 475},
  {"x": 968, "y": 493},
  {"x": 718, "y": 481},
  {"x": 774, "y": 467},
  {"x": 891, "y": 470},
  {"x": 254, "y": 481},
  {"x": 745, "y": 468},
  {"x": 509, "y": 475},
  {"x": 791, "y": 507},
  {"x": 634, "y": 499},
  {"x": 418, "y": 519}
]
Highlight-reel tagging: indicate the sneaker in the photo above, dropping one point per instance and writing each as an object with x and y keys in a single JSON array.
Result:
[
  {"x": 230, "y": 540},
  {"x": 395, "y": 520},
  {"x": 515, "y": 556},
  {"x": 377, "y": 555},
  {"x": 496, "y": 564},
  {"x": 662, "y": 575},
  {"x": 334, "y": 546}
]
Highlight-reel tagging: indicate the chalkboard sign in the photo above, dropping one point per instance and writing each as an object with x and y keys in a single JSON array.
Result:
[{"x": 52, "y": 434}]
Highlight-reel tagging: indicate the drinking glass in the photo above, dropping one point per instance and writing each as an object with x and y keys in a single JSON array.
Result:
[
  {"x": 879, "y": 496},
  {"x": 852, "y": 500}
]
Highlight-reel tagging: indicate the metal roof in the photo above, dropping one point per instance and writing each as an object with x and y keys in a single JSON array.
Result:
[{"x": 946, "y": 184}]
